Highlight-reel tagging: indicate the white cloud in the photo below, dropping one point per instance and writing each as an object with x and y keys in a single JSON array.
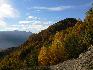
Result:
[
  {"x": 24, "y": 22},
  {"x": 33, "y": 25},
  {"x": 6, "y": 11},
  {"x": 32, "y": 17},
  {"x": 3, "y": 1},
  {"x": 38, "y": 27},
  {"x": 2, "y": 24},
  {"x": 58, "y": 8}
]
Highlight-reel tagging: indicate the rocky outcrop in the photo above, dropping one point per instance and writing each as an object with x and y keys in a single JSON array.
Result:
[{"x": 83, "y": 62}]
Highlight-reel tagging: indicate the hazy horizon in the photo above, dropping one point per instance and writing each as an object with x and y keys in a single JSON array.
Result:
[{"x": 13, "y": 38}]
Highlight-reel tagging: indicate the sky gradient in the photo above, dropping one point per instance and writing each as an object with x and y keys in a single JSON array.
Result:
[{"x": 36, "y": 15}]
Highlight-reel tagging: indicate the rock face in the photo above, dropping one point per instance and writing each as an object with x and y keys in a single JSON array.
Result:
[{"x": 83, "y": 62}]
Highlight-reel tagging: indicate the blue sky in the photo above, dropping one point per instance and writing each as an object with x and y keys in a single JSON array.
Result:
[{"x": 36, "y": 15}]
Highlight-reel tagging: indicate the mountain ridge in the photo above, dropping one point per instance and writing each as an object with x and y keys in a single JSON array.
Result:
[{"x": 13, "y": 38}]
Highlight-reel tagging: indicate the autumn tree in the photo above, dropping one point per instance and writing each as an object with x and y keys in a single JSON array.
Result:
[{"x": 43, "y": 58}]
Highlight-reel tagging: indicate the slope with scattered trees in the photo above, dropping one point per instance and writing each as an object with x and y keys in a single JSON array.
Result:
[{"x": 61, "y": 41}]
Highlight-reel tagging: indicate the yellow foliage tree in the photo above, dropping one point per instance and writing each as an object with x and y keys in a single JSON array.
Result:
[
  {"x": 56, "y": 53},
  {"x": 43, "y": 58}
]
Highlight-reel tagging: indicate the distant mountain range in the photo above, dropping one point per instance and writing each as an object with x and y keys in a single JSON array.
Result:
[{"x": 13, "y": 38}]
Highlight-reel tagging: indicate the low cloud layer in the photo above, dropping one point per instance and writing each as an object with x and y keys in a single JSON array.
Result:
[
  {"x": 31, "y": 23},
  {"x": 34, "y": 24}
]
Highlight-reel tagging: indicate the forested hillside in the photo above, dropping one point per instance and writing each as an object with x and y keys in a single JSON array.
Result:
[{"x": 61, "y": 41}]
